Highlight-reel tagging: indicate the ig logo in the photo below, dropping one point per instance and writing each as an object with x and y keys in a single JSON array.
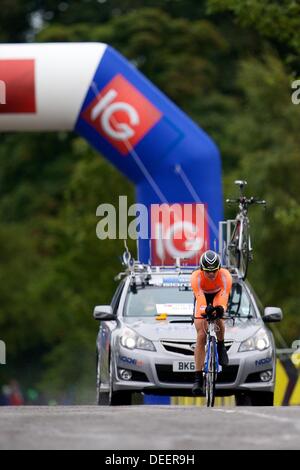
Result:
[
  {"x": 178, "y": 231},
  {"x": 184, "y": 247},
  {"x": 121, "y": 114},
  {"x": 105, "y": 108}
]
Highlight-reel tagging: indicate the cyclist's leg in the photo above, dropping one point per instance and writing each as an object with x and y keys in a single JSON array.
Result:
[
  {"x": 220, "y": 330},
  {"x": 200, "y": 325},
  {"x": 201, "y": 328},
  {"x": 220, "y": 298},
  {"x": 212, "y": 299}
]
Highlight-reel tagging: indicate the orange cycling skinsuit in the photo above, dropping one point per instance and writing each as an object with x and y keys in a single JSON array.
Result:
[{"x": 208, "y": 291}]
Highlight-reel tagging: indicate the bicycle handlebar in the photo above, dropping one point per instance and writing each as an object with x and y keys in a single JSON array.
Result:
[
  {"x": 213, "y": 319},
  {"x": 245, "y": 201},
  {"x": 264, "y": 203}
]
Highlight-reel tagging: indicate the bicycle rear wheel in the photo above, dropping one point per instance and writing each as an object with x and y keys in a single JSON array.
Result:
[
  {"x": 243, "y": 255},
  {"x": 210, "y": 377},
  {"x": 239, "y": 258},
  {"x": 233, "y": 247}
]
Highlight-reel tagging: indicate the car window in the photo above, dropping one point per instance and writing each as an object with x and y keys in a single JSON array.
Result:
[
  {"x": 117, "y": 297},
  {"x": 239, "y": 301},
  {"x": 151, "y": 301},
  {"x": 256, "y": 298}
]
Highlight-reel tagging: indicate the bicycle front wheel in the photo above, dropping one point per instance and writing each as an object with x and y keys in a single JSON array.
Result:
[{"x": 210, "y": 377}]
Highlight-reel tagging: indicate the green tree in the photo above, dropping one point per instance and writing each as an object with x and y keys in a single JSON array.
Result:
[
  {"x": 277, "y": 21},
  {"x": 266, "y": 139}
]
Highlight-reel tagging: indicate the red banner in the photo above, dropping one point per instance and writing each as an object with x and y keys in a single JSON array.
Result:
[
  {"x": 178, "y": 231},
  {"x": 17, "y": 86}
]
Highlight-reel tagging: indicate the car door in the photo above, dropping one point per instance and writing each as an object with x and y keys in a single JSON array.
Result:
[{"x": 105, "y": 332}]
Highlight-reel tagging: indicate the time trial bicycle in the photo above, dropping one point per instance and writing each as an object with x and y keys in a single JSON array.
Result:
[
  {"x": 240, "y": 250},
  {"x": 211, "y": 363}
]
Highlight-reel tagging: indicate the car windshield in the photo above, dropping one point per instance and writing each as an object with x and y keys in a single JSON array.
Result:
[{"x": 151, "y": 301}]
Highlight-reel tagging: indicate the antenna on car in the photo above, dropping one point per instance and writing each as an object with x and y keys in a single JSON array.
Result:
[
  {"x": 129, "y": 262},
  {"x": 127, "y": 259}
]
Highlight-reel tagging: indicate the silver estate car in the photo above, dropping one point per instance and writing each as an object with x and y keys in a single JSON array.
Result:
[{"x": 146, "y": 340}]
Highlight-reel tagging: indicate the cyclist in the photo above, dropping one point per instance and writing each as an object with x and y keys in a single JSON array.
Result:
[{"x": 211, "y": 285}]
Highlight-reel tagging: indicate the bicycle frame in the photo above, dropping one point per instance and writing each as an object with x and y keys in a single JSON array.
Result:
[
  {"x": 211, "y": 333},
  {"x": 211, "y": 364}
]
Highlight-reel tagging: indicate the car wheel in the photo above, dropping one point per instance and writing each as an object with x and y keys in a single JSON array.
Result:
[
  {"x": 254, "y": 399},
  {"x": 102, "y": 398},
  {"x": 117, "y": 398},
  {"x": 243, "y": 399},
  {"x": 262, "y": 398}
]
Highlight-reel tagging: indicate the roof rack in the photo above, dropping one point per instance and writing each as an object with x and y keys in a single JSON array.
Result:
[
  {"x": 145, "y": 271},
  {"x": 134, "y": 268},
  {"x": 148, "y": 269}
]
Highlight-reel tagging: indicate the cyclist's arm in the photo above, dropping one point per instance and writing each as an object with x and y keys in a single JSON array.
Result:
[
  {"x": 194, "y": 312},
  {"x": 222, "y": 296},
  {"x": 200, "y": 299}
]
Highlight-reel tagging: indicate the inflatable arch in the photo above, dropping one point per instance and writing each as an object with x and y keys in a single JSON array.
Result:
[{"x": 91, "y": 89}]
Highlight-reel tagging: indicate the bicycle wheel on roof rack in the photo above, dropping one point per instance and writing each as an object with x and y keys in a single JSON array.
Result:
[
  {"x": 243, "y": 255},
  {"x": 233, "y": 247}
]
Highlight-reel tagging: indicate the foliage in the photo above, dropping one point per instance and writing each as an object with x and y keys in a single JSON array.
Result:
[
  {"x": 230, "y": 77},
  {"x": 276, "y": 20}
]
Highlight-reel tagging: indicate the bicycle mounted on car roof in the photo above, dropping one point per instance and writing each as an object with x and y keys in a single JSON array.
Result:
[{"x": 239, "y": 252}]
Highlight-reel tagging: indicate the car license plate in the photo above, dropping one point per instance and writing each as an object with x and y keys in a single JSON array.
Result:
[{"x": 184, "y": 366}]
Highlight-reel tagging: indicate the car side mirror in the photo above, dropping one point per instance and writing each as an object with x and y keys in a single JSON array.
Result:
[
  {"x": 272, "y": 315},
  {"x": 103, "y": 313}
]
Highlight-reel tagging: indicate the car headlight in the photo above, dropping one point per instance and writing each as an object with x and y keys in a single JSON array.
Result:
[
  {"x": 131, "y": 340},
  {"x": 259, "y": 342}
]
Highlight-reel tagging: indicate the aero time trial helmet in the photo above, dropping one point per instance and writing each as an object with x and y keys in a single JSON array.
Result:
[{"x": 210, "y": 261}]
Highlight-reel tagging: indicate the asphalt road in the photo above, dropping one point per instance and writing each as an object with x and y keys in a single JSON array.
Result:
[{"x": 149, "y": 427}]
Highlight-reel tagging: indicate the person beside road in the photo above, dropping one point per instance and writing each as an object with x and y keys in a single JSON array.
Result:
[{"x": 11, "y": 395}]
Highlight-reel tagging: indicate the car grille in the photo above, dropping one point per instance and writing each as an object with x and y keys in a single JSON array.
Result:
[
  {"x": 185, "y": 347},
  {"x": 165, "y": 374}
]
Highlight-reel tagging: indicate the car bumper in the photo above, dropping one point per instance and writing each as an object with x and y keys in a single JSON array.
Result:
[{"x": 153, "y": 373}]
